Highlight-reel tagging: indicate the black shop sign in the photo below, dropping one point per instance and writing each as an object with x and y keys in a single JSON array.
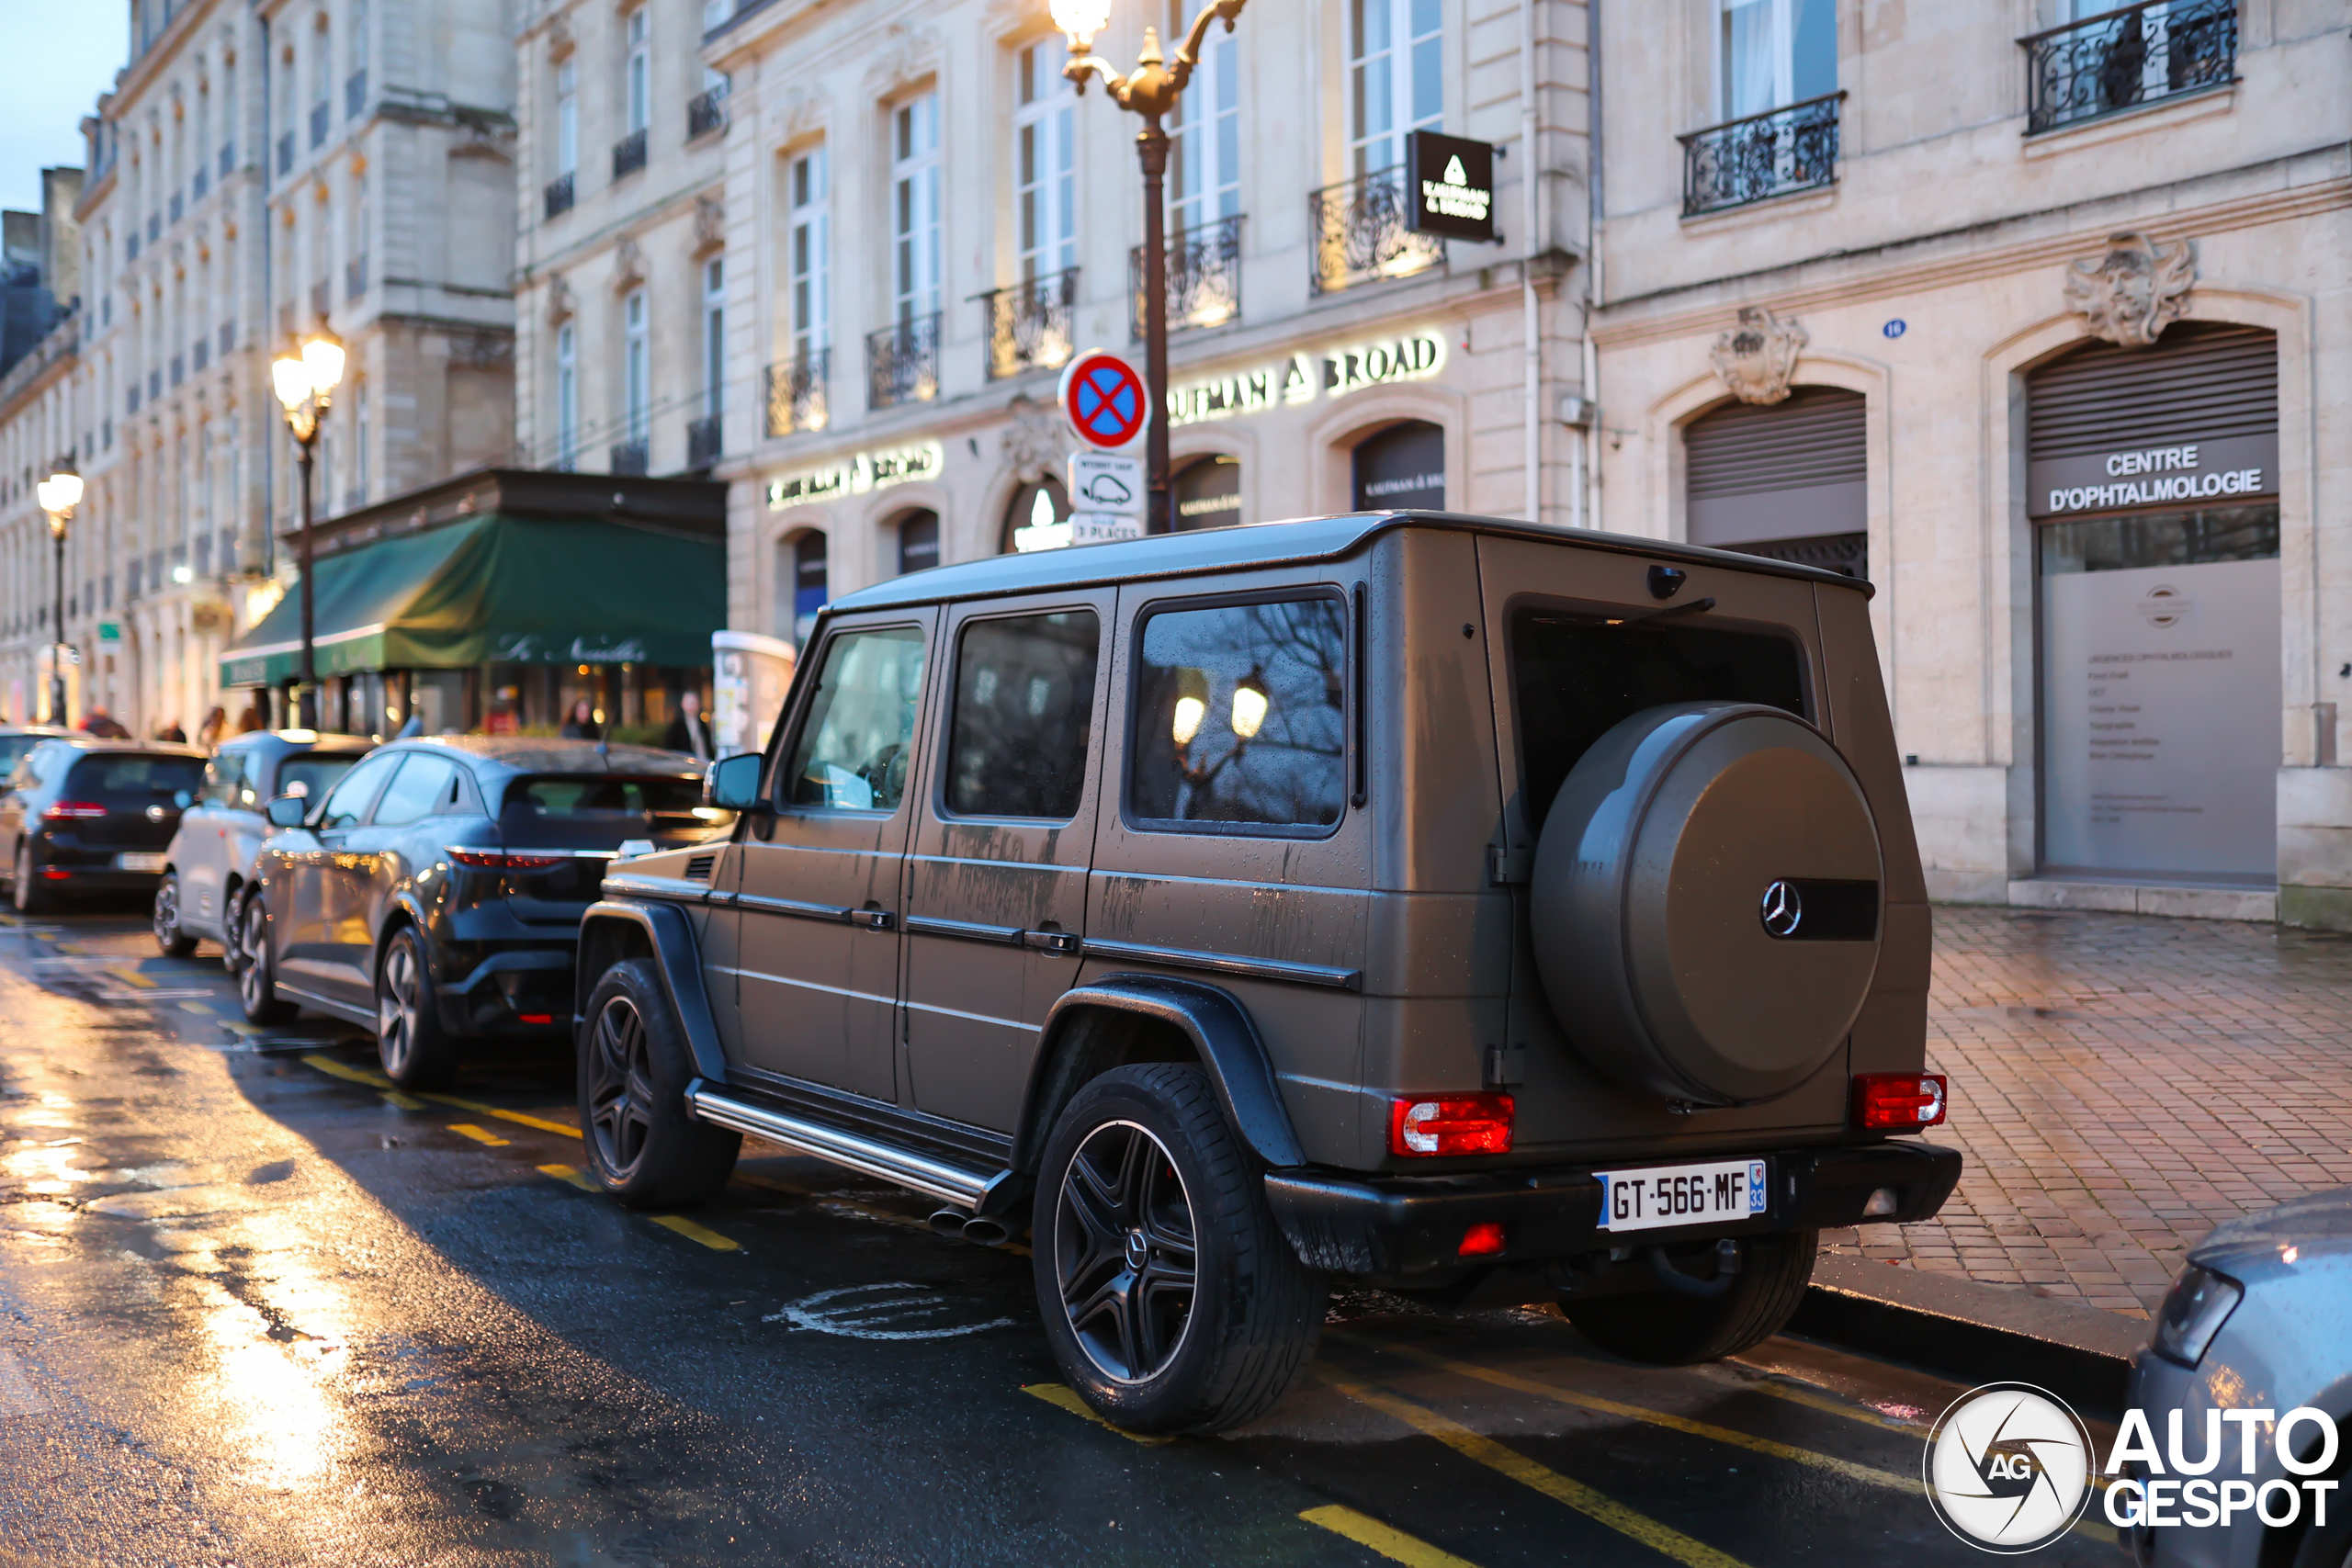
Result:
[{"x": 1452, "y": 187}]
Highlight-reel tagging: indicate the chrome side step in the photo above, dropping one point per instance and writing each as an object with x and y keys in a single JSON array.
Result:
[{"x": 946, "y": 1183}]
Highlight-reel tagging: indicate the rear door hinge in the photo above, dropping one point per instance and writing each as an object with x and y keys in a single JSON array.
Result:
[{"x": 1508, "y": 864}]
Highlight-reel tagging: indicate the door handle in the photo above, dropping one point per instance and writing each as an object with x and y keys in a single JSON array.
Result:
[
  {"x": 1051, "y": 942},
  {"x": 872, "y": 920}
]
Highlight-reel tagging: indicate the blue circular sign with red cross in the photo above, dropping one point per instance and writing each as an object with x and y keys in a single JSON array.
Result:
[{"x": 1104, "y": 399}]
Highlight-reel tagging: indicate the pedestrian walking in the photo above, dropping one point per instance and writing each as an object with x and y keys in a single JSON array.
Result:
[
  {"x": 687, "y": 732},
  {"x": 103, "y": 725},
  {"x": 170, "y": 730},
  {"x": 253, "y": 718},
  {"x": 215, "y": 725},
  {"x": 581, "y": 725}
]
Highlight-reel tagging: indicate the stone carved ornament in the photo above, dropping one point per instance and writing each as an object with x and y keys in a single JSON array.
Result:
[
  {"x": 560, "y": 304},
  {"x": 710, "y": 224},
  {"x": 1036, "y": 443},
  {"x": 1757, "y": 357},
  {"x": 2130, "y": 295},
  {"x": 628, "y": 265}
]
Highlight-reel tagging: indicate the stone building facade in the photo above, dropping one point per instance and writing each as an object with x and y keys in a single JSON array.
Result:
[{"x": 2036, "y": 315}]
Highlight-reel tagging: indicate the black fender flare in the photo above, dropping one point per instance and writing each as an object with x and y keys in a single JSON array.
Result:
[
  {"x": 1221, "y": 1032},
  {"x": 679, "y": 963},
  {"x": 406, "y": 905}
]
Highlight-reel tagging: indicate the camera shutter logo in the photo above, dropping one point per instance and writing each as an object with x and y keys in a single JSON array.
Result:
[
  {"x": 1782, "y": 910},
  {"x": 2009, "y": 1468}
]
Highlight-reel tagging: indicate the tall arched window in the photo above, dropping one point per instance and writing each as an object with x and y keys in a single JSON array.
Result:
[
  {"x": 804, "y": 581},
  {"x": 1041, "y": 504},
  {"x": 1783, "y": 480},
  {"x": 917, "y": 541},
  {"x": 1206, "y": 492},
  {"x": 1401, "y": 468}
]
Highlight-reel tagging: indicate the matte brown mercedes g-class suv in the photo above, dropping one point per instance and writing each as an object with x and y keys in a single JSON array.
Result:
[{"x": 1479, "y": 910}]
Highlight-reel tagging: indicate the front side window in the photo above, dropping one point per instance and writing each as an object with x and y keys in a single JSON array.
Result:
[
  {"x": 1775, "y": 53},
  {"x": 914, "y": 207},
  {"x": 1024, "y": 712},
  {"x": 349, "y": 804},
  {"x": 425, "y": 786},
  {"x": 306, "y": 774},
  {"x": 221, "y": 780},
  {"x": 855, "y": 746},
  {"x": 1240, "y": 715},
  {"x": 1396, "y": 77},
  {"x": 1044, "y": 172},
  {"x": 809, "y": 245}
]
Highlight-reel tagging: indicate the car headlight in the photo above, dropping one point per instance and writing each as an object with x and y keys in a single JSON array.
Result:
[{"x": 2198, "y": 1304}]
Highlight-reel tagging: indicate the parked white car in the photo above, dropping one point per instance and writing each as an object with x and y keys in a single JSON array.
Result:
[{"x": 206, "y": 867}]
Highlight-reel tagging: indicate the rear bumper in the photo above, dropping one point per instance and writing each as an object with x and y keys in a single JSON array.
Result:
[
  {"x": 511, "y": 991},
  {"x": 94, "y": 878},
  {"x": 1409, "y": 1227}
]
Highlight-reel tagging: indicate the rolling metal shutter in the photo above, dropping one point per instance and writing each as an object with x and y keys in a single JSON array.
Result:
[
  {"x": 1791, "y": 470},
  {"x": 2197, "y": 382}
]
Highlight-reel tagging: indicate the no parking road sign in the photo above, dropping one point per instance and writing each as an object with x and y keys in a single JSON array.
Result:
[{"x": 1104, "y": 399}]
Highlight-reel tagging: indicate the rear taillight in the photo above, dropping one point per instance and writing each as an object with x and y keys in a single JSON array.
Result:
[
  {"x": 66, "y": 810},
  {"x": 499, "y": 860},
  {"x": 1899, "y": 1102},
  {"x": 1450, "y": 1125},
  {"x": 1484, "y": 1239}
]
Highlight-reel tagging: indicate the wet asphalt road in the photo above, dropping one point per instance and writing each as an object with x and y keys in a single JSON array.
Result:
[{"x": 256, "y": 1309}]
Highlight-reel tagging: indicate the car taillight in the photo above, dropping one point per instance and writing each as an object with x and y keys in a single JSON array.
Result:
[
  {"x": 1899, "y": 1102},
  {"x": 1450, "y": 1125},
  {"x": 65, "y": 810},
  {"x": 499, "y": 860},
  {"x": 1484, "y": 1239}
]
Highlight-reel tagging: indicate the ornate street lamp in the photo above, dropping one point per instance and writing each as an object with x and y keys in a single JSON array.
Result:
[
  {"x": 305, "y": 378},
  {"x": 59, "y": 494},
  {"x": 1150, "y": 91}
]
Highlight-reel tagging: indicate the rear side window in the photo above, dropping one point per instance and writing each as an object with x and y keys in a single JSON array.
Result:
[
  {"x": 853, "y": 749},
  {"x": 586, "y": 799},
  {"x": 141, "y": 778},
  {"x": 1024, "y": 713},
  {"x": 221, "y": 780},
  {"x": 306, "y": 774},
  {"x": 1576, "y": 676},
  {"x": 425, "y": 786},
  {"x": 1240, "y": 715}
]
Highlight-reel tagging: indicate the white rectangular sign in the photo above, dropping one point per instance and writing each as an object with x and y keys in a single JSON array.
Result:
[
  {"x": 1102, "y": 527},
  {"x": 1101, "y": 481}
]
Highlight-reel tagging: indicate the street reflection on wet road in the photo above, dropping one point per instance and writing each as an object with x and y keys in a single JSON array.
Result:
[{"x": 256, "y": 1307}]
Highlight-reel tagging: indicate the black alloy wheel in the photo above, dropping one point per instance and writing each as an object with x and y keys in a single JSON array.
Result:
[
  {"x": 30, "y": 898},
  {"x": 257, "y": 981},
  {"x": 620, "y": 1086},
  {"x": 1124, "y": 1252},
  {"x": 170, "y": 938},
  {"x": 410, "y": 1043},
  {"x": 233, "y": 932},
  {"x": 644, "y": 1148}
]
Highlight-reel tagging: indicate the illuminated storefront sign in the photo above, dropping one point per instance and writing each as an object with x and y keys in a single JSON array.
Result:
[
  {"x": 2205, "y": 472},
  {"x": 859, "y": 474},
  {"x": 1453, "y": 184},
  {"x": 1302, "y": 377}
]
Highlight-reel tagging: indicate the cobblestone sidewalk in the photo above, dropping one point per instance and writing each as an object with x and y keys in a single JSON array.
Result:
[{"x": 2121, "y": 1085}]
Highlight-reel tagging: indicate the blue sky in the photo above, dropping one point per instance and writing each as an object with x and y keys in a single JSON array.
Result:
[{"x": 63, "y": 54}]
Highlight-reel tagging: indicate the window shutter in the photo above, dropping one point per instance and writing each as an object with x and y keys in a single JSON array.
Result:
[
  {"x": 1793, "y": 469},
  {"x": 2199, "y": 382}
]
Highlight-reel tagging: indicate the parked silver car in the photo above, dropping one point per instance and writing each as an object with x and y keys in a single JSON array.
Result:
[
  {"x": 2260, "y": 1320},
  {"x": 210, "y": 859}
]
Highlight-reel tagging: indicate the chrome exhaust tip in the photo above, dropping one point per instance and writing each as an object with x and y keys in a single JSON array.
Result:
[
  {"x": 948, "y": 1222},
  {"x": 987, "y": 1230}
]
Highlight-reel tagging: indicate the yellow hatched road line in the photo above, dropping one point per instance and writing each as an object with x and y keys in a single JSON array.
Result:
[
  {"x": 400, "y": 1101},
  {"x": 129, "y": 976},
  {"x": 1869, "y": 1474},
  {"x": 1373, "y": 1536},
  {"x": 479, "y": 1134},
  {"x": 1061, "y": 1396},
  {"x": 693, "y": 1231},
  {"x": 1596, "y": 1505},
  {"x": 566, "y": 1173}
]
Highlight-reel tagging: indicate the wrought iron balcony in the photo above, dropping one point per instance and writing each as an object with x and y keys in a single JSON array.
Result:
[
  {"x": 1029, "y": 324},
  {"x": 902, "y": 363},
  {"x": 629, "y": 153},
  {"x": 558, "y": 196},
  {"x": 702, "y": 440},
  {"x": 630, "y": 456},
  {"x": 705, "y": 112},
  {"x": 1204, "y": 276},
  {"x": 1360, "y": 233},
  {"x": 1760, "y": 155},
  {"x": 796, "y": 393},
  {"x": 2142, "y": 54}
]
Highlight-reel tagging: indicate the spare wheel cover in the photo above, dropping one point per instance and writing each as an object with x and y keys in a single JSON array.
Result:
[{"x": 1707, "y": 902}]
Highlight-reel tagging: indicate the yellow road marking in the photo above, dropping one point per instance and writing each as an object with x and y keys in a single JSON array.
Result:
[
  {"x": 1848, "y": 1468},
  {"x": 539, "y": 1124},
  {"x": 70, "y": 947},
  {"x": 129, "y": 976},
  {"x": 1393, "y": 1544},
  {"x": 1831, "y": 1404},
  {"x": 479, "y": 1134},
  {"x": 205, "y": 1007},
  {"x": 1593, "y": 1504},
  {"x": 693, "y": 1231},
  {"x": 402, "y": 1101},
  {"x": 335, "y": 1069},
  {"x": 566, "y": 1173},
  {"x": 1061, "y": 1396}
]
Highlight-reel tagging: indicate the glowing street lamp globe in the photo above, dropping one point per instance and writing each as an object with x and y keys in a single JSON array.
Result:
[{"x": 1080, "y": 20}]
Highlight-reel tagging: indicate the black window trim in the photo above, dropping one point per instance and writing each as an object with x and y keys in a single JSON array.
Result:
[
  {"x": 366, "y": 813},
  {"x": 1353, "y": 699},
  {"x": 943, "y": 739},
  {"x": 798, "y": 705}
]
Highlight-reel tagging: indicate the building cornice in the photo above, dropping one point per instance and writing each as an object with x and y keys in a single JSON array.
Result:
[
  {"x": 143, "y": 69},
  {"x": 1847, "y": 276}
]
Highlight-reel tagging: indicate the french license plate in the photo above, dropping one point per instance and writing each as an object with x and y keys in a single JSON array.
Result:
[
  {"x": 130, "y": 859},
  {"x": 1659, "y": 1196}
]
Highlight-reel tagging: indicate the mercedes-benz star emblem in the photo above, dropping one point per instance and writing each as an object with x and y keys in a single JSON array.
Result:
[{"x": 1782, "y": 910}]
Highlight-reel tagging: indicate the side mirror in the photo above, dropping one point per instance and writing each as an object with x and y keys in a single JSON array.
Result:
[
  {"x": 182, "y": 799},
  {"x": 287, "y": 810},
  {"x": 733, "y": 783}
]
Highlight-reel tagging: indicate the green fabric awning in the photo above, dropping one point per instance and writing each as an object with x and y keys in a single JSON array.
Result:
[{"x": 499, "y": 589}]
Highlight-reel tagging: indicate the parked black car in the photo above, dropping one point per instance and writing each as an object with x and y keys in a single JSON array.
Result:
[
  {"x": 82, "y": 815},
  {"x": 435, "y": 894}
]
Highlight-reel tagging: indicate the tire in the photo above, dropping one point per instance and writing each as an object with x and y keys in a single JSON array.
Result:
[
  {"x": 410, "y": 1043},
  {"x": 643, "y": 1148},
  {"x": 1670, "y": 1330},
  {"x": 1141, "y": 1178},
  {"x": 232, "y": 916},
  {"x": 257, "y": 981},
  {"x": 30, "y": 896},
  {"x": 170, "y": 940}
]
